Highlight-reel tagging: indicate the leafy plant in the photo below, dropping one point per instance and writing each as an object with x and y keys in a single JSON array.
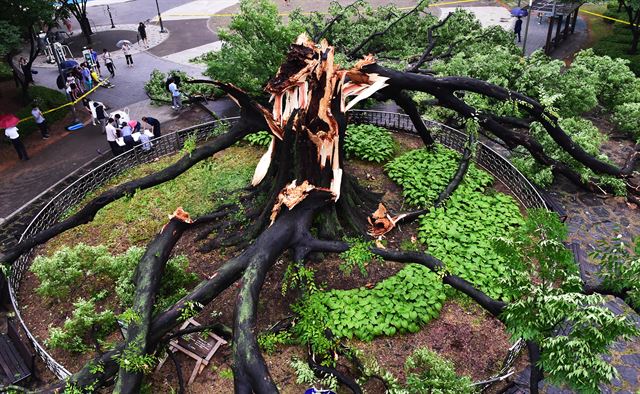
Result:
[
  {"x": 85, "y": 322},
  {"x": 132, "y": 361},
  {"x": 305, "y": 375},
  {"x": 190, "y": 309},
  {"x": 226, "y": 374},
  {"x": 427, "y": 372},
  {"x": 620, "y": 267},
  {"x": 158, "y": 93},
  {"x": 369, "y": 142},
  {"x": 573, "y": 330},
  {"x": 358, "y": 255},
  {"x": 269, "y": 341},
  {"x": 261, "y": 138}
]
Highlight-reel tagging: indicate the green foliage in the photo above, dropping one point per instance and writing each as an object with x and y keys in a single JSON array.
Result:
[
  {"x": 306, "y": 376},
  {"x": 189, "y": 310},
  {"x": 269, "y": 341},
  {"x": 458, "y": 233},
  {"x": 627, "y": 118},
  {"x": 620, "y": 267},
  {"x": 582, "y": 132},
  {"x": 261, "y": 138},
  {"x": 359, "y": 255},
  {"x": 299, "y": 276},
  {"x": 424, "y": 173},
  {"x": 427, "y": 372},
  {"x": 382, "y": 310},
  {"x": 368, "y": 142},
  {"x": 90, "y": 268},
  {"x": 572, "y": 329},
  {"x": 132, "y": 361},
  {"x": 159, "y": 94},
  {"x": 226, "y": 374},
  {"x": 189, "y": 145},
  {"x": 253, "y": 46},
  {"x": 85, "y": 322}
]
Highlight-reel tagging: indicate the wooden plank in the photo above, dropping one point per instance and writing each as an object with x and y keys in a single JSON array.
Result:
[{"x": 8, "y": 359}]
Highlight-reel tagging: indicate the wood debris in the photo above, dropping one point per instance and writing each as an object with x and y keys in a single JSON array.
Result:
[{"x": 290, "y": 196}]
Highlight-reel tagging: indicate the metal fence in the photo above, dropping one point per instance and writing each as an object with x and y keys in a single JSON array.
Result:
[{"x": 172, "y": 143}]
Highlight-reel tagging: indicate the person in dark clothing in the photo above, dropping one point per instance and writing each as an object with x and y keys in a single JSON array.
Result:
[
  {"x": 142, "y": 31},
  {"x": 518, "y": 28},
  {"x": 154, "y": 123},
  {"x": 101, "y": 115}
]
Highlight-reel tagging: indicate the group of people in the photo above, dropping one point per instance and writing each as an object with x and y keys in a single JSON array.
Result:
[{"x": 120, "y": 126}]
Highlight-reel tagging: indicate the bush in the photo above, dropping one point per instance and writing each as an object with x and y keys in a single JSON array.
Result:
[
  {"x": 86, "y": 321},
  {"x": 427, "y": 372},
  {"x": 368, "y": 142},
  {"x": 159, "y": 94},
  {"x": 261, "y": 138},
  {"x": 46, "y": 99},
  {"x": 627, "y": 118}
]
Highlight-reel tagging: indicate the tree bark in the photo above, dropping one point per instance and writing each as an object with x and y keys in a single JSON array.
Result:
[{"x": 147, "y": 281}]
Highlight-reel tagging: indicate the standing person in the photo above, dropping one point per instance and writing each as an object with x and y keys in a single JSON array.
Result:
[
  {"x": 28, "y": 78},
  {"x": 176, "y": 103},
  {"x": 142, "y": 31},
  {"x": 111, "y": 137},
  {"x": 126, "y": 49},
  {"x": 108, "y": 61},
  {"x": 101, "y": 115},
  {"x": 94, "y": 56},
  {"x": 518, "y": 28},
  {"x": 155, "y": 125},
  {"x": 86, "y": 76},
  {"x": 12, "y": 134},
  {"x": 40, "y": 121}
]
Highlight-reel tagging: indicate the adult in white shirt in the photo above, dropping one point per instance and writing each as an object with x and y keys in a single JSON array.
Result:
[
  {"x": 126, "y": 49},
  {"x": 12, "y": 134},
  {"x": 111, "y": 137},
  {"x": 40, "y": 121},
  {"x": 176, "y": 102}
]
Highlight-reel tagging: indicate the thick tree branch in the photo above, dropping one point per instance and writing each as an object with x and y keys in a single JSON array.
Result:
[
  {"x": 147, "y": 280},
  {"x": 354, "y": 52},
  {"x": 432, "y": 41},
  {"x": 444, "y": 87}
]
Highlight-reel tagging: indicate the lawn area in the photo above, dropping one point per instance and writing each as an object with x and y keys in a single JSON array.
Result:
[{"x": 608, "y": 37}]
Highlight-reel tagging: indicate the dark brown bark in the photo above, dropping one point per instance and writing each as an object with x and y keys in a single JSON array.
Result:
[{"x": 147, "y": 278}]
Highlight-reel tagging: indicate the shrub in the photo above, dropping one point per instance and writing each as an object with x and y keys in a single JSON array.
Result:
[
  {"x": 627, "y": 118},
  {"x": 427, "y": 372},
  {"x": 368, "y": 142},
  {"x": 86, "y": 321},
  {"x": 158, "y": 93},
  {"x": 261, "y": 138}
]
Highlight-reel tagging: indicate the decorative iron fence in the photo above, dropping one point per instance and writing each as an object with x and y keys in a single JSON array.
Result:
[{"x": 174, "y": 142}]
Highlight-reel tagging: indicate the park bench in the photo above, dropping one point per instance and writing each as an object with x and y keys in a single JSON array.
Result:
[
  {"x": 16, "y": 361},
  {"x": 196, "y": 347}
]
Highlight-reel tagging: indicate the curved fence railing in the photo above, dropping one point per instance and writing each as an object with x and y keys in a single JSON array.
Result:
[{"x": 73, "y": 194}]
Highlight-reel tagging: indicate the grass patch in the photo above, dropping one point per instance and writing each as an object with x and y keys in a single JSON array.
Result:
[
  {"x": 611, "y": 38},
  {"x": 135, "y": 219},
  {"x": 47, "y": 99}
]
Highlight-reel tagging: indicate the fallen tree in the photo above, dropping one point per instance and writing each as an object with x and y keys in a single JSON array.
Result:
[{"x": 301, "y": 183}]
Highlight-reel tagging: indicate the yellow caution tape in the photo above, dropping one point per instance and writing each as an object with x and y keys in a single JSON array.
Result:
[
  {"x": 70, "y": 103},
  {"x": 605, "y": 17}
]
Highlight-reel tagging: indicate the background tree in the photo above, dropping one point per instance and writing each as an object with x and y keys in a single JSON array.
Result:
[
  {"x": 22, "y": 20},
  {"x": 78, "y": 8},
  {"x": 632, "y": 8}
]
